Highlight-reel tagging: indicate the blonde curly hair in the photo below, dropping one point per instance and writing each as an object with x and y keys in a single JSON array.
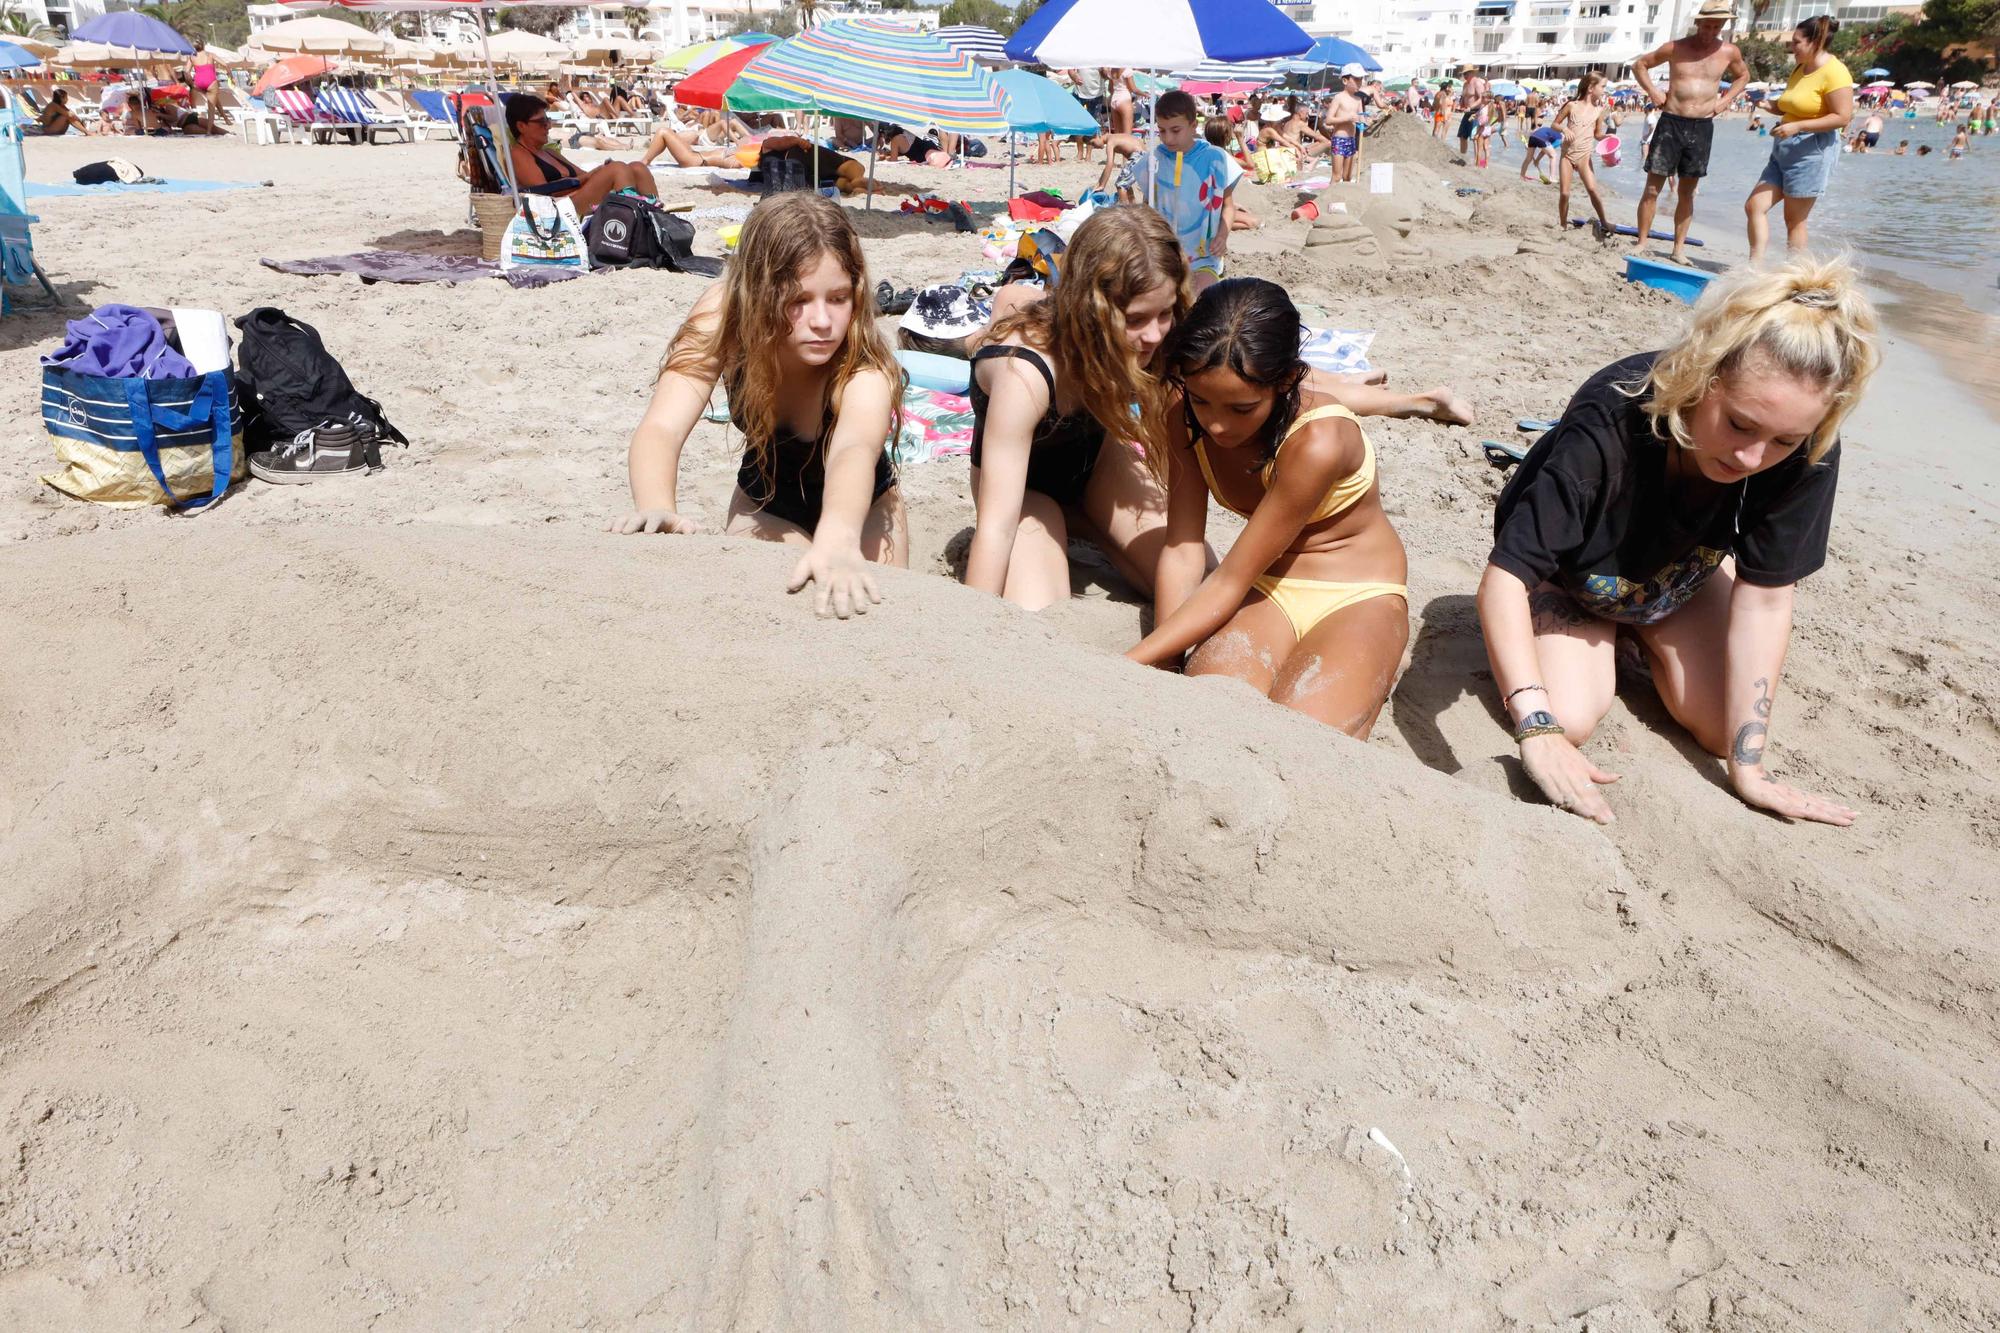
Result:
[{"x": 1806, "y": 318}]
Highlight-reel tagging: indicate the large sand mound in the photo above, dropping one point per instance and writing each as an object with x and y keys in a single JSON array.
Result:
[{"x": 511, "y": 927}]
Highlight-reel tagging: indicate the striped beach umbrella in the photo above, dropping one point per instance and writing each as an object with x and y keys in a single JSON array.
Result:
[
  {"x": 1256, "y": 73},
  {"x": 873, "y": 70},
  {"x": 981, "y": 43},
  {"x": 719, "y": 84}
]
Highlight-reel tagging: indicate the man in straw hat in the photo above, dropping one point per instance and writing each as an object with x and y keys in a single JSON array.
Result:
[
  {"x": 1475, "y": 94},
  {"x": 1696, "y": 67}
]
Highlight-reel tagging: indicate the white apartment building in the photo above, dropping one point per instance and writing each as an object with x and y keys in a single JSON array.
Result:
[
  {"x": 62, "y": 16},
  {"x": 1524, "y": 37}
]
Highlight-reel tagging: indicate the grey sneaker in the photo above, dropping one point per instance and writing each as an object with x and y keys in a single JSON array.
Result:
[{"x": 330, "y": 449}]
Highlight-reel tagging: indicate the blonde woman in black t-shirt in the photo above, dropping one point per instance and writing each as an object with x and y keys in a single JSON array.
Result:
[{"x": 1683, "y": 495}]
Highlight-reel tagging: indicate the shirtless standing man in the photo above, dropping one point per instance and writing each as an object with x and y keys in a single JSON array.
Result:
[
  {"x": 1475, "y": 94},
  {"x": 1343, "y": 115},
  {"x": 1696, "y": 67}
]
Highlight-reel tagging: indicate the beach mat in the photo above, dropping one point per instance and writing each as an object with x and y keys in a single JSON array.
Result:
[
  {"x": 1634, "y": 231},
  {"x": 52, "y": 190},
  {"x": 404, "y": 266}
]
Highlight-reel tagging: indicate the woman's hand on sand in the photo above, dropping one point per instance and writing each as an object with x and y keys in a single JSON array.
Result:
[
  {"x": 655, "y": 520},
  {"x": 1761, "y": 790},
  {"x": 1569, "y": 780},
  {"x": 843, "y": 583}
]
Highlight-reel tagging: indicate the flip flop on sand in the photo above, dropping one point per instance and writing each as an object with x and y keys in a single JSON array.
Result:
[
  {"x": 1535, "y": 424},
  {"x": 1502, "y": 455}
]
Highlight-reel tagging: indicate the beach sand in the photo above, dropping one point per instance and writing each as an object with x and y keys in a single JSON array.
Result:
[{"x": 420, "y": 909}]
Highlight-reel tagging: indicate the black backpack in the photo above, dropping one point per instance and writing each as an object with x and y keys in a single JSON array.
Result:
[
  {"x": 287, "y": 382},
  {"x": 630, "y": 231}
]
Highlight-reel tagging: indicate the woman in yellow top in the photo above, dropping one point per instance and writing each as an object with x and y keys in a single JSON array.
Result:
[
  {"x": 1818, "y": 102},
  {"x": 1309, "y": 606}
]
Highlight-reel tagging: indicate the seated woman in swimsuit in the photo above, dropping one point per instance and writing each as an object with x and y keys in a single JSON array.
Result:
[
  {"x": 1053, "y": 392},
  {"x": 813, "y": 387},
  {"x": 57, "y": 118},
  {"x": 1679, "y": 501},
  {"x": 536, "y": 164},
  {"x": 1309, "y": 605}
]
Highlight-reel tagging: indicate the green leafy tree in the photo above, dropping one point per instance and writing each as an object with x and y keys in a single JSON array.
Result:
[
  {"x": 636, "y": 18},
  {"x": 986, "y": 13},
  {"x": 541, "y": 22}
]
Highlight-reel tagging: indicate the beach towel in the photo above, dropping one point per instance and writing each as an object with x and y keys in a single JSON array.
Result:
[
  {"x": 51, "y": 190},
  {"x": 119, "y": 342},
  {"x": 1336, "y": 351},
  {"x": 935, "y": 425},
  {"x": 408, "y": 267}
]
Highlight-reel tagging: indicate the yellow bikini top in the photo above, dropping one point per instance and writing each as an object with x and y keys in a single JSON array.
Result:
[{"x": 1341, "y": 495}]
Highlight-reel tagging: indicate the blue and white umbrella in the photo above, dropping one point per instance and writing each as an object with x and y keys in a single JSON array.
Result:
[
  {"x": 18, "y": 57},
  {"x": 1334, "y": 51},
  {"x": 981, "y": 43},
  {"x": 1154, "y": 34}
]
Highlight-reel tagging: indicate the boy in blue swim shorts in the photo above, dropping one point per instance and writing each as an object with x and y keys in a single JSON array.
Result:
[{"x": 1343, "y": 121}]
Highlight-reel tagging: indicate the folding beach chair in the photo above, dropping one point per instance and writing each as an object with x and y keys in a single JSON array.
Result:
[
  {"x": 430, "y": 104},
  {"x": 352, "y": 111},
  {"x": 433, "y": 113},
  {"x": 490, "y": 153},
  {"x": 305, "y": 115},
  {"x": 397, "y": 109},
  {"x": 258, "y": 122},
  {"x": 17, "y": 241}
]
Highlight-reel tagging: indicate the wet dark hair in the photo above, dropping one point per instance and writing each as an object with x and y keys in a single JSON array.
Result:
[
  {"x": 520, "y": 107},
  {"x": 1819, "y": 30},
  {"x": 1250, "y": 327}
]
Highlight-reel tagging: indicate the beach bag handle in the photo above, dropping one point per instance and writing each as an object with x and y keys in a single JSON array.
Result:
[{"x": 210, "y": 406}]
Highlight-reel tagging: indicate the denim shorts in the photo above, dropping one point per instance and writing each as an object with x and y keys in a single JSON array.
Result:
[{"x": 1802, "y": 164}]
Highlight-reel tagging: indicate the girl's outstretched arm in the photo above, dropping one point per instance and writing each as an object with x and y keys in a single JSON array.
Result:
[
  {"x": 1760, "y": 629},
  {"x": 1017, "y": 400},
  {"x": 1184, "y": 557},
  {"x": 844, "y": 579},
  {"x": 680, "y": 396}
]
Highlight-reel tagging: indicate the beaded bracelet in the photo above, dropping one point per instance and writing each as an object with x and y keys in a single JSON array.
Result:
[{"x": 1554, "y": 730}]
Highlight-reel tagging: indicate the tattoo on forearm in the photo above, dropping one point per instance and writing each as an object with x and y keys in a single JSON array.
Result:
[{"x": 1748, "y": 749}]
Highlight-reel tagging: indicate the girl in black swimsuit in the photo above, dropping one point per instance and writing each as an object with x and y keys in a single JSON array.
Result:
[
  {"x": 1058, "y": 392},
  {"x": 815, "y": 391}
]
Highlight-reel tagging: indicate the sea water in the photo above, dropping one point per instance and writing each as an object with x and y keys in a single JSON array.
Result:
[{"x": 1926, "y": 220}]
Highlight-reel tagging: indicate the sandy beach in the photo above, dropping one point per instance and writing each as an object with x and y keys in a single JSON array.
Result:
[{"x": 419, "y": 909}]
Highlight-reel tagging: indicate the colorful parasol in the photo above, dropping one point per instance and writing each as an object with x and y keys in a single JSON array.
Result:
[{"x": 874, "y": 70}]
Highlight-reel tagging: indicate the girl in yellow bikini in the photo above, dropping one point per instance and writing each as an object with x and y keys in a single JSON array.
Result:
[{"x": 1309, "y": 605}]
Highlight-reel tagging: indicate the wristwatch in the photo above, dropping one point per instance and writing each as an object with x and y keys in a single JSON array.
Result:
[{"x": 1541, "y": 722}]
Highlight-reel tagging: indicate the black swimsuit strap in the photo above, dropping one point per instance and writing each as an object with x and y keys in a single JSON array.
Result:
[{"x": 1028, "y": 354}]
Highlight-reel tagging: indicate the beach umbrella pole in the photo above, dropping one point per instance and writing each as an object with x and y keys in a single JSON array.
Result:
[{"x": 874, "y": 151}]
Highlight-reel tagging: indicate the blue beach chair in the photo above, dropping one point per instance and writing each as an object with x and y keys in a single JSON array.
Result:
[
  {"x": 17, "y": 241},
  {"x": 351, "y": 110}
]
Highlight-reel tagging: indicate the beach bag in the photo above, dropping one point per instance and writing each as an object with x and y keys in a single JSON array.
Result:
[
  {"x": 130, "y": 442},
  {"x": 108, "y": 171},
  {"x": 287, "y": 382},
  {"x": 545, "y": 233},
  {"x": 1274, "y": 164}
]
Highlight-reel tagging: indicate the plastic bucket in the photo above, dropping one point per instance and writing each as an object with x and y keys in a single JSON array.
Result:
[{"x": 1607, "y": 148}]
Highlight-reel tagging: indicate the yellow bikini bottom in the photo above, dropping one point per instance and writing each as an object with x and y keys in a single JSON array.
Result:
[{"x": 1306, "y": 602}]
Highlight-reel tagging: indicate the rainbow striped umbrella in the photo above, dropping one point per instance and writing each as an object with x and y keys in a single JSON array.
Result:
[
  {"x": 703, "y": 54},
  {"x": 873, "y": 70}
]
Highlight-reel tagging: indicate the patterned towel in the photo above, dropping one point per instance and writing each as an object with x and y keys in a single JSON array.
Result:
[
  {"x": 936, "y": 425},
  {"x": 1336, "y": 351}
]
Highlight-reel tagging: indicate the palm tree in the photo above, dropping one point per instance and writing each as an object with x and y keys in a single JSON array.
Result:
[
  {"x": 636, "y": 17},
  {"x": 16, "y": 24}
]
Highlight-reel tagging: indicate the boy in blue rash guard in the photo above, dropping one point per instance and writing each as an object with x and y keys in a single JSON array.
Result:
[{"x": 1190, "y": 182}]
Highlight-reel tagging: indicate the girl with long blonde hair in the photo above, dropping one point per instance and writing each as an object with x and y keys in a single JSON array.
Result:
[
  {"x": 1681, "y": 498},
  {"x": 1059, "y": 391},
  {"x": 789, "y": 332}
]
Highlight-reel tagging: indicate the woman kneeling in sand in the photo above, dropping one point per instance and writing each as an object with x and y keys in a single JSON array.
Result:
[
  {"x": 1053, "y": 395},
  {"x": 1309, "y": 605},
  {"x": 814, "y": 388},
  {"x": 1684, "y": 494}
]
